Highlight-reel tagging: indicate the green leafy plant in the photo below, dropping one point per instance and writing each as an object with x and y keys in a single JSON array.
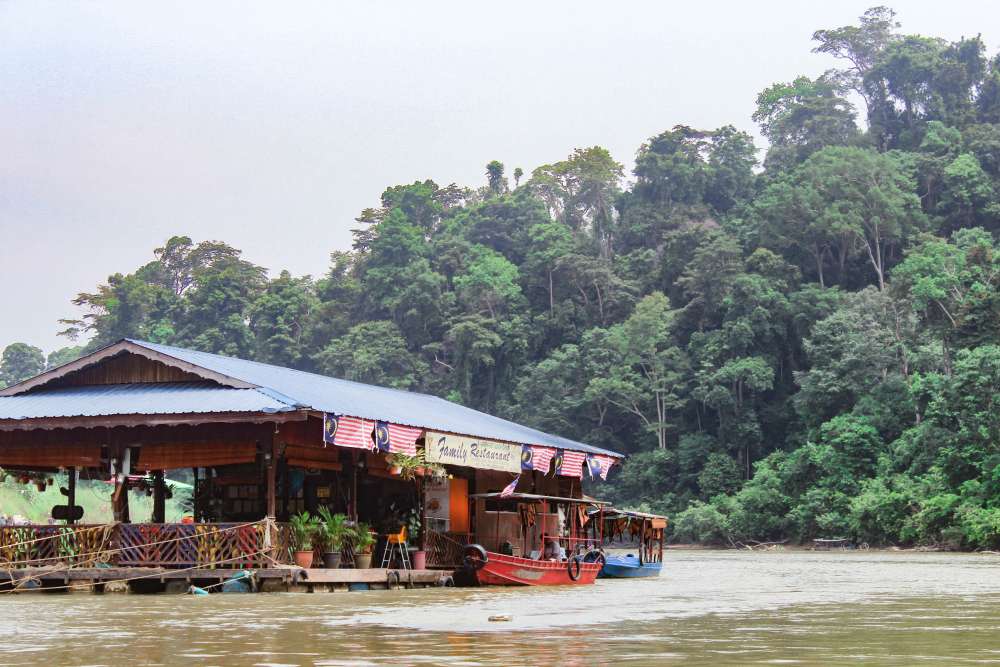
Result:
[
  {"x": 331, "y": 529},
  {"x": 304, "y": 526},
  {"x": 363, "y": 538}
]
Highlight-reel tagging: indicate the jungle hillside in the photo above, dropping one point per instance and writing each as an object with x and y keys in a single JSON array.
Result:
[{"x": 794, "y": 342}]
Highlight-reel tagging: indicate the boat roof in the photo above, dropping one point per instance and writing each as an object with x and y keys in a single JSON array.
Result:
[
  {"x": 613, "y": 512},
  {"x": 533, "y": 496}
]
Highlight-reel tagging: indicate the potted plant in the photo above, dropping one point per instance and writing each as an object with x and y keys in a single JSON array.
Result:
[
  {"x": 303, "y": 526},
  {"x": 415, "y": 528},
  {"x": 330, "y": 533},
  {"x": 403, "y": 465},
  {"x": 364, "y": 542}
]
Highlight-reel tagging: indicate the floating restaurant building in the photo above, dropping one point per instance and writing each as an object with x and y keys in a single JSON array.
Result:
[{"x": 264, "y": 443}]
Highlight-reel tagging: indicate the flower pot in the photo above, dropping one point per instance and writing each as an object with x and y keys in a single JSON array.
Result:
[
  {"x": 419, "y": 560},
  {"x": 304, "y": 559},
  {"x": 362, "y": 561},
  {"x": 421, "y": 471},
  {"x": 331, "y": 560},
  {"x": 395, "y": 470}
]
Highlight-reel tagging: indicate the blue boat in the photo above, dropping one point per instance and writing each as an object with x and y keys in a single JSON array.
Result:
[
  {"x": 626, "y": 567},
  {"x": 624, "y": 526}
]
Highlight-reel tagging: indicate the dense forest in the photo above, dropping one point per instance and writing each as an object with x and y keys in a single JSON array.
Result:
[{"x": 794, "y": 344}]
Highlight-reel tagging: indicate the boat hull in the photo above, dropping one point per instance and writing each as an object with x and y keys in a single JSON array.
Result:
[
  {"x": 628, "y": 567},
  {"x": 503, "y": 570}
]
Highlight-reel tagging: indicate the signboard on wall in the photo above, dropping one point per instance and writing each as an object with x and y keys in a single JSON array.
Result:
[
  {"x": 437, "y": 496},
  {"x": 459, "y": 450}
]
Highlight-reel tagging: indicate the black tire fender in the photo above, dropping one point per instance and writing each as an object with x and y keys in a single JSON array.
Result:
[
  {"x": 474, "y": 557},
  {"x": 595, "y": 556},
  {"x": 574, "y": 566}
]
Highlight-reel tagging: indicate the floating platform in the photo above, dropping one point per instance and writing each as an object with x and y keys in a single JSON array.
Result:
[{"x": 268, "y": 580}]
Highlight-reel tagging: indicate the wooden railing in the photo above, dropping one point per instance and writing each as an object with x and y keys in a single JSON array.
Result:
[
  {"x": 445, "y": 550},
  {"x": 227, "y": 545}
]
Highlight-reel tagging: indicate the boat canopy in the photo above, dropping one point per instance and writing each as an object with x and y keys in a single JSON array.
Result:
[
  {"x": 613, "y": 513},
  {"x": 532, "y": 496}
]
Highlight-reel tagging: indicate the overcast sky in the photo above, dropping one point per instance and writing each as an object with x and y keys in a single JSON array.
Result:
[{"x": 271, "y": 125}]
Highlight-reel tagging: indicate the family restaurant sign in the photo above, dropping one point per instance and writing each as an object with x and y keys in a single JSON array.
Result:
[{"x": 459, "y": 450}]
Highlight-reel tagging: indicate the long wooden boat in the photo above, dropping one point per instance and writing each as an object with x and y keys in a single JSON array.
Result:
[{"x": 495, "y": 569}]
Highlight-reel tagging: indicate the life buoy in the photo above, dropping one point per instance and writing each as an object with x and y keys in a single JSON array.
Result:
[
  {"x": 574, "y": 566},
  {"x": 475, "y": 557}
]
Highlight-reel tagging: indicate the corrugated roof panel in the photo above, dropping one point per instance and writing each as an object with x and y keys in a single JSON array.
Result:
[
  {"x": 328, "y": 394},
  {"x": 137, "y": 399}
]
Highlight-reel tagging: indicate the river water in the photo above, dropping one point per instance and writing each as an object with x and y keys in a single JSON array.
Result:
[{"x": 708, "y": 607}]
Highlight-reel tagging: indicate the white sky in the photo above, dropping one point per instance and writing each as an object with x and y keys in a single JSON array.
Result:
[{"x": 271, "y": 125}]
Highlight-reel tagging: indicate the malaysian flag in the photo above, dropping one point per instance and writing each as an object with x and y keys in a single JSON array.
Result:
[
  {"x": 593, "y": 466},
  {"x": 381, "y": 437},
  {"x": 570, "y": 464},
  {"x": 403, "y": 439},
  {"x": 347, "y": 431},
  {"x": 606, "y": 462},
  {"x": 508, "y": 490},
  {"x": 541, "y": 458}
]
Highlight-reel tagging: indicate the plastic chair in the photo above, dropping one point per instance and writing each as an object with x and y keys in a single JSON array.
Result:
[{"x": 395, "y": 543}]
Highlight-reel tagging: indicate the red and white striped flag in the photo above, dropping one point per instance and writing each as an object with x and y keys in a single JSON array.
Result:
[
  {"x": 606, "y": 463},
  {"x": 541, "y": 458},
  {"x": 508, "y": 490},
  {"x": 403, "y": 439},
  {"x": 572, "y": 464},
  {"x": 349, "y": 432}
]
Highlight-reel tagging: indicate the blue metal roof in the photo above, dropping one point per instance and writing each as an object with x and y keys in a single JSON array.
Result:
[
  {"x": 343, "y": 397},
  {"x": 137, "y": 399}
]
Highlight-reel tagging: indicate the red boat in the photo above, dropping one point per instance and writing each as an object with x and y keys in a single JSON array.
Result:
[
  {"x": 493, "y": 569},
  {"x": 536, "y": 540}
]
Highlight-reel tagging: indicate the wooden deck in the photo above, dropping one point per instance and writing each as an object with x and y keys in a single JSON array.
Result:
[{"x": 155, "y": 580}]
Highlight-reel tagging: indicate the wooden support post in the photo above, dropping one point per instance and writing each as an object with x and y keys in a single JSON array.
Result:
[
  {"x": 270, "y": 453},
  {"x": 159, "y": 498},
  {"x": 71, "y": 494},
  {"x": 194, "y": 496}
]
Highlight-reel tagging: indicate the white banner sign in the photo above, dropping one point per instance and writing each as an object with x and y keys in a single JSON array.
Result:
[{"x": 458, "y": 450}]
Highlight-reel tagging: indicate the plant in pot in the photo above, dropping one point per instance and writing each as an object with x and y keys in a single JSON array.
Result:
[
  {"x": 303, "y": 526},
  {"x": 364, "y": 542},
  {"x": 330, "y": 534},
  {"x": 415, "y": 529},
  {"x": 403, "y": 465}
]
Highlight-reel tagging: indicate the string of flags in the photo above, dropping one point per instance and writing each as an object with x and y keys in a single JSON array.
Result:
[{"x": 383, "y": 436}]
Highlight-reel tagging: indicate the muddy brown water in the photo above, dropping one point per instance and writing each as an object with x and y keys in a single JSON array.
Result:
[{"x": 708, "y": 607}]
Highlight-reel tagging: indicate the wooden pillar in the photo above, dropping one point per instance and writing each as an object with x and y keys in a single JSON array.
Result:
[
  {"x": 71, "y": 494},
  {"x": 270, "y": 453},
  {"x": 159, "y": 498},
  {"x": 194, "y": 496}
]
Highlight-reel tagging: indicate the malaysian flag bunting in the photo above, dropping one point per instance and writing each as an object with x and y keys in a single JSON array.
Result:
[
  {"x": 381, "y": 437},
  {"x": 403, "y": 439},
  {"x": 541, "y": 458},
  {"x": 508, "y": 490},
  {"x": 347, "y": 431},
  {"x": 593, "y": 466},
  {"x": 606, "y": 462},
  {"x": 570, "y": 464}
]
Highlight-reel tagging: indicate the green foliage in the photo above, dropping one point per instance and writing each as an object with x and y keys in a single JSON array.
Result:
[
  {"x": 19, "y": 362},
  {"x": 304, "y": 527}
]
